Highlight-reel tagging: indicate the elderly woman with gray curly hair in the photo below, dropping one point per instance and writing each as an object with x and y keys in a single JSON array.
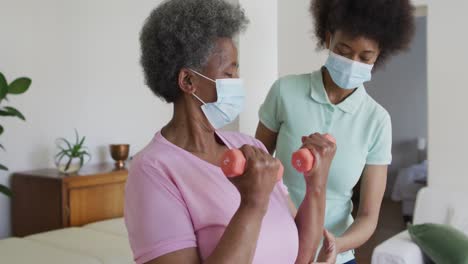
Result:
[{"x": 180, "y": 207}]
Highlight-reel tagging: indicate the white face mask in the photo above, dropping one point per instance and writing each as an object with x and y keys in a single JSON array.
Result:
[
  {"x": 230, "y": 103},
  {"x": 346, "y": 73}
]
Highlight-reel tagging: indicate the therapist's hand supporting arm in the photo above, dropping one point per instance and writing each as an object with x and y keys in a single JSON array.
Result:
[
  {"x": 373, "y": 184},
  {"x": 311, "y": 212}
]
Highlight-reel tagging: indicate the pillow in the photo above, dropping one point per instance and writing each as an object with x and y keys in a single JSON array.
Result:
[
  {"x": 442, "y": 243},
  {"x": 458, "y": 218}
]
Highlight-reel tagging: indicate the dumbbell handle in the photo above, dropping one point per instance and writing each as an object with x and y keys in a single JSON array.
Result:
[
  {"x": 233, "y": 164},
  {"x": 303, "y": 160}
]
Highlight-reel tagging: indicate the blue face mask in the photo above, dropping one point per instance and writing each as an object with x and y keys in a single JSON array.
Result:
[
  {"x": 230, "y": 103},
  {"x": 346, "y": 73}
]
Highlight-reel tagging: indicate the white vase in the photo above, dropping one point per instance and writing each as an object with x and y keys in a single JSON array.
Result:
[{"x": 73, "y": 167}]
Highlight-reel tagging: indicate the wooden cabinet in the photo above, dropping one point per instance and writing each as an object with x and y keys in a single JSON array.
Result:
[{"x": 46, "y": 199}]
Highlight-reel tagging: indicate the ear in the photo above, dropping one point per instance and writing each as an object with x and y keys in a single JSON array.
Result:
[
  {"x": 328, "y": 37},
  {"x": 185, "y": 81}
]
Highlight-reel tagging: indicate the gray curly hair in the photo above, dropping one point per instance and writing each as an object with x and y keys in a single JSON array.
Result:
[{"x": 182, "y": 33}]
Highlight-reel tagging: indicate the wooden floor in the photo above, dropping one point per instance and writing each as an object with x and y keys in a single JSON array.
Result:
[{"x": 390, "y": 223}]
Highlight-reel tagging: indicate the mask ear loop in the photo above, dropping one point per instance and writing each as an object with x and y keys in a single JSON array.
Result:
[
  {"x": 198, "y": 98},
  {"x": 199, "y": 74},
  {"x": 202, "y": 75}
]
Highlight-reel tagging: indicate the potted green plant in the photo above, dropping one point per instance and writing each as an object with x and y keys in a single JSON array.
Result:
[
  {"x": 71, "y": 157},
  {"x": 16, "y": 87}
]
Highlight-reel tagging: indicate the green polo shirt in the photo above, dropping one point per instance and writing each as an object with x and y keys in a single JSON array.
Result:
[{"x": 297, "y": 106}]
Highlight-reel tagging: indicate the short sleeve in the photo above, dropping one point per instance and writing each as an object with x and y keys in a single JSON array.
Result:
[
  {"x": 157, "y": 219},
  {"x": 380, "y": 151},
  {"x": 270, "y": 111}
]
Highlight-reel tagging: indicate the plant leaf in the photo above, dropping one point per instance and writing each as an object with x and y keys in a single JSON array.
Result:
[
  {"x": 63, "y": 140},
  {"x": 60, "y": 147},
  {"x": 68, "y": 153},
  {"x": 2, "y": 147},
  {"x": 19, "y": 86},
  {"x": 3, "y": 86},
  {"x": 83, "y": 152},
  {"x": 62, "y": 151},
  {"x": 82, "y": 141},
  {"x": 5, "y": 190},
  {"x": 76, "y": 151},
  {"x": 59, "y": 159},
  {"x": 3, "y": 167},
  {"x": 87, "y": 155},
  {"x": 77, "y": 137},
  {"x": 3, "y": 112},
  {"x": 68, "y": 163},
  {"x": 15, "y": 112},
  {"x": 1, "y": 129}
]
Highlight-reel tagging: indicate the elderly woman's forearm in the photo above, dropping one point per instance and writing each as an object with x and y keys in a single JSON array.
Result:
[
  {"x": 310, "y": 221},
  {"x": 239, "y": 241}
]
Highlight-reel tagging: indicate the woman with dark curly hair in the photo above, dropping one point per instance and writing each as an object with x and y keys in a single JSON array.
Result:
[
  {"x": 179, "y": 206},
  {"x": 360, "y": 36}
]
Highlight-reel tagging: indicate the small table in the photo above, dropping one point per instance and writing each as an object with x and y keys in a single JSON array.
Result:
[{"x": 46, "y": 199}]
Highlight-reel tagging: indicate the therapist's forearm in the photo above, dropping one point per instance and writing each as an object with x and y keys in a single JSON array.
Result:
[
  {"x": 309, "y": 221},
  {"x": 357, "y": 234}
]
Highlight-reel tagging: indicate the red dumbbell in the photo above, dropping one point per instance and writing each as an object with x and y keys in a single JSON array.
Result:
[
  {"x": 233, "y": 164},
  {"x": 303, "y": 160}
]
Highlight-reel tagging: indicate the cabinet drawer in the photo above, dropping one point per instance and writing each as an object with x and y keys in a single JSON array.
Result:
[{"x": 95, "y": 203}]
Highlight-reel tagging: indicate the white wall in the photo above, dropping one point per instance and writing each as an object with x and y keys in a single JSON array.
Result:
[
  {"x": 420, "y": 2},
  {"x": 296, "y": 40},
  {"x": 83, "y": 59},
  {"x": 258, "y": 58},
  {"x": 401, "y": 87},
  {"x": 448, "y": 93}
]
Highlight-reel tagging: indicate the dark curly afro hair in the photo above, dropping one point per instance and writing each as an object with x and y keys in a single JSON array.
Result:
[
  {"x": 388, "y": 22},
  {"x": 182, "y": 33}
]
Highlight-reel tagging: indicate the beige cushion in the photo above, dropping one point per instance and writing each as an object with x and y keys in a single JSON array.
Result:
[
  {"x": 107, "y": 248},
  {"x": 114, "y": 226},
  {"x": 399, "y": 249},
  {"x": 21, "y": 251}
]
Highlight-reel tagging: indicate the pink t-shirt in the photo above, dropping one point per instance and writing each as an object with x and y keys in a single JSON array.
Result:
[{"x": 174, "y": 200}]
